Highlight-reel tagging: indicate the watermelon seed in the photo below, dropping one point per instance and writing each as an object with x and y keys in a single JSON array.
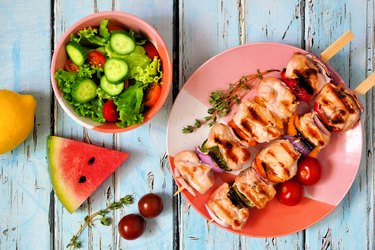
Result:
[
  {"x": 82, "y": 179},
  {"x": 91, "y": 161}
]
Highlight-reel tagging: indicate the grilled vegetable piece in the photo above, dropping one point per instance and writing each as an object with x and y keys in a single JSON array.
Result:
[
  {"x": 226, "y": 147},
  {"x": 253, "y": 190},
  {"x": 225, "y": 210},
  {"x": 306, "y": 75},
  {"x": 198, "y": 175},
  {"x": 311, "y": 132}
]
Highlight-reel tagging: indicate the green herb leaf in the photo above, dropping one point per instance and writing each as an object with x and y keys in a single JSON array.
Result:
[{"x": 104, "y": 220}]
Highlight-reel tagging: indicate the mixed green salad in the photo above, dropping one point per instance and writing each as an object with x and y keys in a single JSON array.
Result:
[{"x": 111, "y": 75}]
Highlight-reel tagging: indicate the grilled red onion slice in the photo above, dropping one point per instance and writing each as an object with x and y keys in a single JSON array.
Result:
[
  {"x": 321, "y": 67},
  {"x": 298, "y": 144},
  {"x": 320, "y": 125},
  {"x": 213, "y": 216},
  {"x": 208, "y": 160},
  {"x": 182, "y": 181},
  {"x": 265, "y": 180}
]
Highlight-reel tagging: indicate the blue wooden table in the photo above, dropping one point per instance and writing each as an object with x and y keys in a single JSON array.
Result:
[{"x": 33, "y": 218}]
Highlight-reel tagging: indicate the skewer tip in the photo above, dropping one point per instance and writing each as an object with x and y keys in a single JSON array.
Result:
[{"x": 179, "y": 190}]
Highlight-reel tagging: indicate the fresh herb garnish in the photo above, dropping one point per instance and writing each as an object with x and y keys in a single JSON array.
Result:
[
  {"x": 222, "y": 100},
  {"x": 104, "y": 219}
]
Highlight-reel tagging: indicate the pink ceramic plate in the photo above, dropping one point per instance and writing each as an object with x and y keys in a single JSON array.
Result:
[{"x": 340, "y": 159}]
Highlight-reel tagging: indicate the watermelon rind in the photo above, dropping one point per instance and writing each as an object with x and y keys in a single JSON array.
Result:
[{"x": 61, "y": 191}]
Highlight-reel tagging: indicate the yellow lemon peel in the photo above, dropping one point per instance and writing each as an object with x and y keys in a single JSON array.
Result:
[{"x": 16, "y": 119}]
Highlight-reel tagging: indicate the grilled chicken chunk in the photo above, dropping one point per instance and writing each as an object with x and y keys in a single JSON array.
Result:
[
  {"x": 338, "y": 108},
  {"x": 278, "y": 161},
  {"x": 254, "y": 189},
  {"x": 312, "y": 74},
  {"x": 311, "y": 132},
  {"x": 193, "y": 171},
  {"x": 225, "y": 210},
  {"x": 233, "y": 152},
  {"x": 257, "y": 122},
  {"x": 277, "y": 97}
]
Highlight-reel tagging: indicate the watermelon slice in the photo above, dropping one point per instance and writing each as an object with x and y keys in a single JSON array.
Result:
[{"x": 77, "y": 169}]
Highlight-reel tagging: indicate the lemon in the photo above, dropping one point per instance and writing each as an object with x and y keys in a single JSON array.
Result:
[{"x": 16, "y": 119}]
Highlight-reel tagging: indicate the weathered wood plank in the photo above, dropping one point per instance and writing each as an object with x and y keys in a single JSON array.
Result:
[
  {"x": 24, "y": 180},
  {"x": 350, "y": 225},
  {"x": 66, "y": 13},
  {"x": 274, "y": 21},
  {"x": 147, "y": 169},
  {"x": 204, "y": 32}
]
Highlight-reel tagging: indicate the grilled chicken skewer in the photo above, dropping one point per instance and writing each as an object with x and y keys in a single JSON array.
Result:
[
  {"x": 335, "y": 109},
  {"x": 275, "y": 104},
  {"x": 276, "y": 163}
]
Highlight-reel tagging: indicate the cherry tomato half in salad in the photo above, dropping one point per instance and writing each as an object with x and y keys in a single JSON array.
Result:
[
  {"x": 96, "y": 59},
  {"x": 71, "y": 66},
  {"x": 290, "y": 192},
  {"x": 131, "y": 226},
  {"x": 111, "y": 27},
  {"x": 150, "y": 205},
  {"x": 309, "y": 171},
  {"x": 110, "y": 112},
  {"x": 151, "y": 50},
  {"x": 152, "y": 95}
]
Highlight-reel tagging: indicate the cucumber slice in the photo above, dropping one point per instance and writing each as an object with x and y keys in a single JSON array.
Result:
[
  {"x": 84, "y": 91},
  {"x": 122, "y": 43},
  {"x": 110, "y": 88},
  {"x": 116, "y": 70},
  {"x": 76, "y": 52}
]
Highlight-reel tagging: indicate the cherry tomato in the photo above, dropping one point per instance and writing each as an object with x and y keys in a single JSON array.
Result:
[
  {"x": 150, "y": 205},
  {"x": 151, "y": 50},
  {"x": 71, "y": 66},
  {"x": 111, "y": 27},
  {"x": 96, "y": 59},
  {"x": 309, "y": 170},
  {"x": 290, "y": 193},
  {"x": 152, "y": 95},
  {"x": 110, "y": 112},
  {"x": 131, "y": 226}
]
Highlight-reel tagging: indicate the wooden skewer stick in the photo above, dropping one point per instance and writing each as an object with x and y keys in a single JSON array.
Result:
[
  {"x": 366, "y": 85},
  {"x": 210, "y": 221},
  {"x": 336, "y": 46},
  {"x": 179, "y": 190}
]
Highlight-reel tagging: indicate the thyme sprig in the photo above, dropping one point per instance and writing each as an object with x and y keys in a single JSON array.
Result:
[
  {"x": 104, "y": 219},
  {"x": 221, "y": 101}
]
